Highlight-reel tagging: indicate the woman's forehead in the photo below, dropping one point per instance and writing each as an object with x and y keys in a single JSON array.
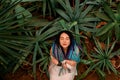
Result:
[{"x": 64, "y": 35}]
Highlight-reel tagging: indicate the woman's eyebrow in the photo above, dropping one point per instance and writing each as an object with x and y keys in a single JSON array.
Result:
[{"x": 63, "y": 37}]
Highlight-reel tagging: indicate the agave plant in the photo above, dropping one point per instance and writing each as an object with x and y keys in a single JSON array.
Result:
[
  {"x": 18, "y": 38},
  {"x": 50, "y": 5},
  {"x": 112, "y": 17},
  {"x": 11, "y": 38},
  {"x": 41, "y": 44},
  {"x": 39, "y": 48},
  {"x": 100, "y": 60},
  {"x": 79, "y": 14}
]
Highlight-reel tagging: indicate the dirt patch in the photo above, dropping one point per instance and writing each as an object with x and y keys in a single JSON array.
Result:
[{"x": 22, "y": 74}]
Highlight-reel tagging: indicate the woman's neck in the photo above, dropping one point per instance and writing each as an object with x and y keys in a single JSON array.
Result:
[{"x": 65, "y": 50}]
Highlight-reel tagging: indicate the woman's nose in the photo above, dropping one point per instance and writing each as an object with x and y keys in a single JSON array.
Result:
[{"x": 64, "y": 40}]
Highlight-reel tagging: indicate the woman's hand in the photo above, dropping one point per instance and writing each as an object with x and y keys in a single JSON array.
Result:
[
  {"x": 64, "y": 65},
  {"x": 70, "y": 62}
]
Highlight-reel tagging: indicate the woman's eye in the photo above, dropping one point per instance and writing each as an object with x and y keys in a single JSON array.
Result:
[
  {"x": 67, "y": 38},
  {"x": 61, "y": 38},
  {"x": 64, "y": 38}
]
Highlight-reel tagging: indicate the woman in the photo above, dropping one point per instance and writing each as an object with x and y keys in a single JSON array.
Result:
[{"x": 64, "y": 57}]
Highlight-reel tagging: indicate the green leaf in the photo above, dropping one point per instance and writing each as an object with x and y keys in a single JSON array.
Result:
[
  {"x": 30, "y": 0},
  {"x": 102, "y": 73},
  {"x": 109, "y": 11},
  {"x": 44, "y": 7},
  {"x": 2, "y": 60},
  {"x": 86, "y": 61},
  {"x": 102, "y": 16},
  {"x": 34, "y": 59},
  {"x": 118, "y": 8},
  {"x": 117, "y": 31},
  {"x": 63, "y": 14},
  {"x": 111, "y": 48},
  {"x": 104, "y": 29},
  {"x": 64, "y": 25},
  {"x": 24, "y": 13},
  {"x": 86, "y": 11},
  {"x": 10, "y": 51},
  {"x": 77, "y": 9},
  {"x": 69, "y": 9}
]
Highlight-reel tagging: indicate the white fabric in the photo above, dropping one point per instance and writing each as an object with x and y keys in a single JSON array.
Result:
[{"x": 54, "y": 72}]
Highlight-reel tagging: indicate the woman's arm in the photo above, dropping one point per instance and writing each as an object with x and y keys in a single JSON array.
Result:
[{"x": 55, "y": 61}]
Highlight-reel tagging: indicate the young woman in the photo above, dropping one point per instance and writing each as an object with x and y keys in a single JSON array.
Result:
[{"x": 64, "y": 57}]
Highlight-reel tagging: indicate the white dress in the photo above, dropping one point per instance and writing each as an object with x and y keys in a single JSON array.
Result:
[{"x": 54, "y": 71}]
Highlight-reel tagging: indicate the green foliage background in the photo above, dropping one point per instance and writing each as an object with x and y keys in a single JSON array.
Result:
[{"x": 27, "y": 27}]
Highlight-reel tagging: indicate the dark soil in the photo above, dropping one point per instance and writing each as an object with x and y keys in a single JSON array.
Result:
[{"x": 22, "y": 74}]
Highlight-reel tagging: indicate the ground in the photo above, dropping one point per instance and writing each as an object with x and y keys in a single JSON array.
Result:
[{"x": 22, "y": 74}]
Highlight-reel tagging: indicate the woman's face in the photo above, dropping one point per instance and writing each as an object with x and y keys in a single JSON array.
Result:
[{"x": 64, "y": 40}]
